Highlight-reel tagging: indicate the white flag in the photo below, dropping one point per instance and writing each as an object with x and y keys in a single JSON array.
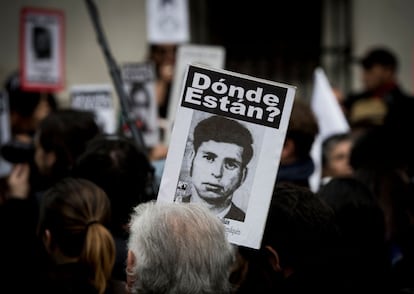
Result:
[{"x": 330, "y": 117}]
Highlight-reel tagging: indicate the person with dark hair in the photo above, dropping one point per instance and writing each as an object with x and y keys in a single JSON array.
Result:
[
  {"x": 163, "y": 56},
  {"x": 73, "y": 220},
  {"x": 335, "y": 156},
  {"x": 178, "y": 248},
  {"x": 67, "y": 249},
  {"x": 366, "y": 262},
  {"x": 298, "y": 248},
  {"x": 27, "y": 108},
  {"x": 59, "y": 139},
  {"x": 222, "y": 149},
  {"x": 125, "y": 173},
  {"x": 296, "y": 164}
]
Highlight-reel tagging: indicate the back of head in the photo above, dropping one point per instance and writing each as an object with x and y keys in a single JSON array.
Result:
[
  {"x": 380, "y": 56},
  {"x": 23, "y": 105},
  {"x": 358, "y": 212},
  {"x": 75, "y": 212},
  {"x": 179, "y": 248},
  {"x": 300, "y": 227},
  {"x": 66, "y": 133},
  {"x": 122, "y": 170},
  {"x": 303, "y": 128}
]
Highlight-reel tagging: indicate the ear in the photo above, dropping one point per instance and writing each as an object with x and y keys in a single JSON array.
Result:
[
  {"x": 288, "y": 151},
  {"x": 130, "y": 260},
  {"x": 50, "y": 158},
  {"x": 47, "y": 240},
  {"x": 273, "y": 259},
  {"x": 130, "y": 277}
]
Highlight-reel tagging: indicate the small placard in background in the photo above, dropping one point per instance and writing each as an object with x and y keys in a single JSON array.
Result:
[
  {"x": 98, "y": 99},
  {"x": 139, "y": 84},
  {"x": 167, "y": 21},
  {"x": 41, "y": 49}
]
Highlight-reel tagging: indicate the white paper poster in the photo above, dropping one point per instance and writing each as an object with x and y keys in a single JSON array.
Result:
[
  {"x": 212, "y": 56},
  {"x": 98, "y": 99},
  {"x": 139, "y": 85},
  {"x": 167, "y": 21},
  {"x": 225, "y": 148},
  {"x": 41, "y": 49}
]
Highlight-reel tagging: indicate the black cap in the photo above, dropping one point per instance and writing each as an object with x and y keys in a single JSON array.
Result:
[{"x": 380, "y": 56}]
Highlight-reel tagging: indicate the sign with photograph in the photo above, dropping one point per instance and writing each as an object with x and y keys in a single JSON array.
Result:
[
  {"x": 41, "y": 49},
  {"x": 212, "y": 56},
  {"x": 167, "y": 21},
  {"x": 225, "y": 148},
  {"x": 98, "y": 99},
  {"x": 139, "y": 84}
]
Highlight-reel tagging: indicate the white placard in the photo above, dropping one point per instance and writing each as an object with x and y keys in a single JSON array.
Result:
[
  {"x": 139, "y": 85},
  {"x": 97, "y": 98},
  {"x": 248, "y": 113},
  {"x": 41, "y": 49},
  {"x": 167, "y": 21}
]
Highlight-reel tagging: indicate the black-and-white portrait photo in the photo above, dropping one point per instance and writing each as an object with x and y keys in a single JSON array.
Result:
[
  {"x": 219, "y": 161},
  {"x": 42, "y": 42}
]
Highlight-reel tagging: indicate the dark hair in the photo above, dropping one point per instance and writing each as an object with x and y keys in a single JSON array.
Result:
[
  {"x": 221, "y": 129},
  {"x": 122, "y": 170},
  {"x": 75, "y": 211},
  {"x": 25, "y": 102},
  {"x": 300, "y": 226},
  {"x": 66, "y": 132},
  {"x": 303, "y": 128},
  {"x": 379, "y": 56},
  {"x": 356, "y": 208}
]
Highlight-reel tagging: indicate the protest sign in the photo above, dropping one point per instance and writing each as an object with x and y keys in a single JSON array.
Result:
[
  {"x": 98, "y": 99},
  {"x": 139, "y": 84},
  {"x": 167, "y": 21},
  {"x": 41, "y": 49},
  {"x": 225, "y": 147}
]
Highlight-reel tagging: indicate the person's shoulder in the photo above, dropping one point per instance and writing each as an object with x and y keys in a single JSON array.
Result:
[
  {"x": 351, "y": 98},
  {"x": 235, "y": 213}
]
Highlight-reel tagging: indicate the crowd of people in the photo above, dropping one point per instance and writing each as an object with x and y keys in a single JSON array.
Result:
[{"x": 79, "y": 214}]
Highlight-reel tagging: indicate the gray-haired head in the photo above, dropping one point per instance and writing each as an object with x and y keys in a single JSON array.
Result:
[{"x": 179, "y": 248}]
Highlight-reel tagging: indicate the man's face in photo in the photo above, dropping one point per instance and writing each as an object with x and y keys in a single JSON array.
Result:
[{"x": 217, "y": 170}]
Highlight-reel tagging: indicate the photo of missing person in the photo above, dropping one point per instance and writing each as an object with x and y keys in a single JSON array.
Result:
[
  {"x": 219, "y": 164},
  {"x": 140, "y": 101},
  {"x": 42, "y": 42}
]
